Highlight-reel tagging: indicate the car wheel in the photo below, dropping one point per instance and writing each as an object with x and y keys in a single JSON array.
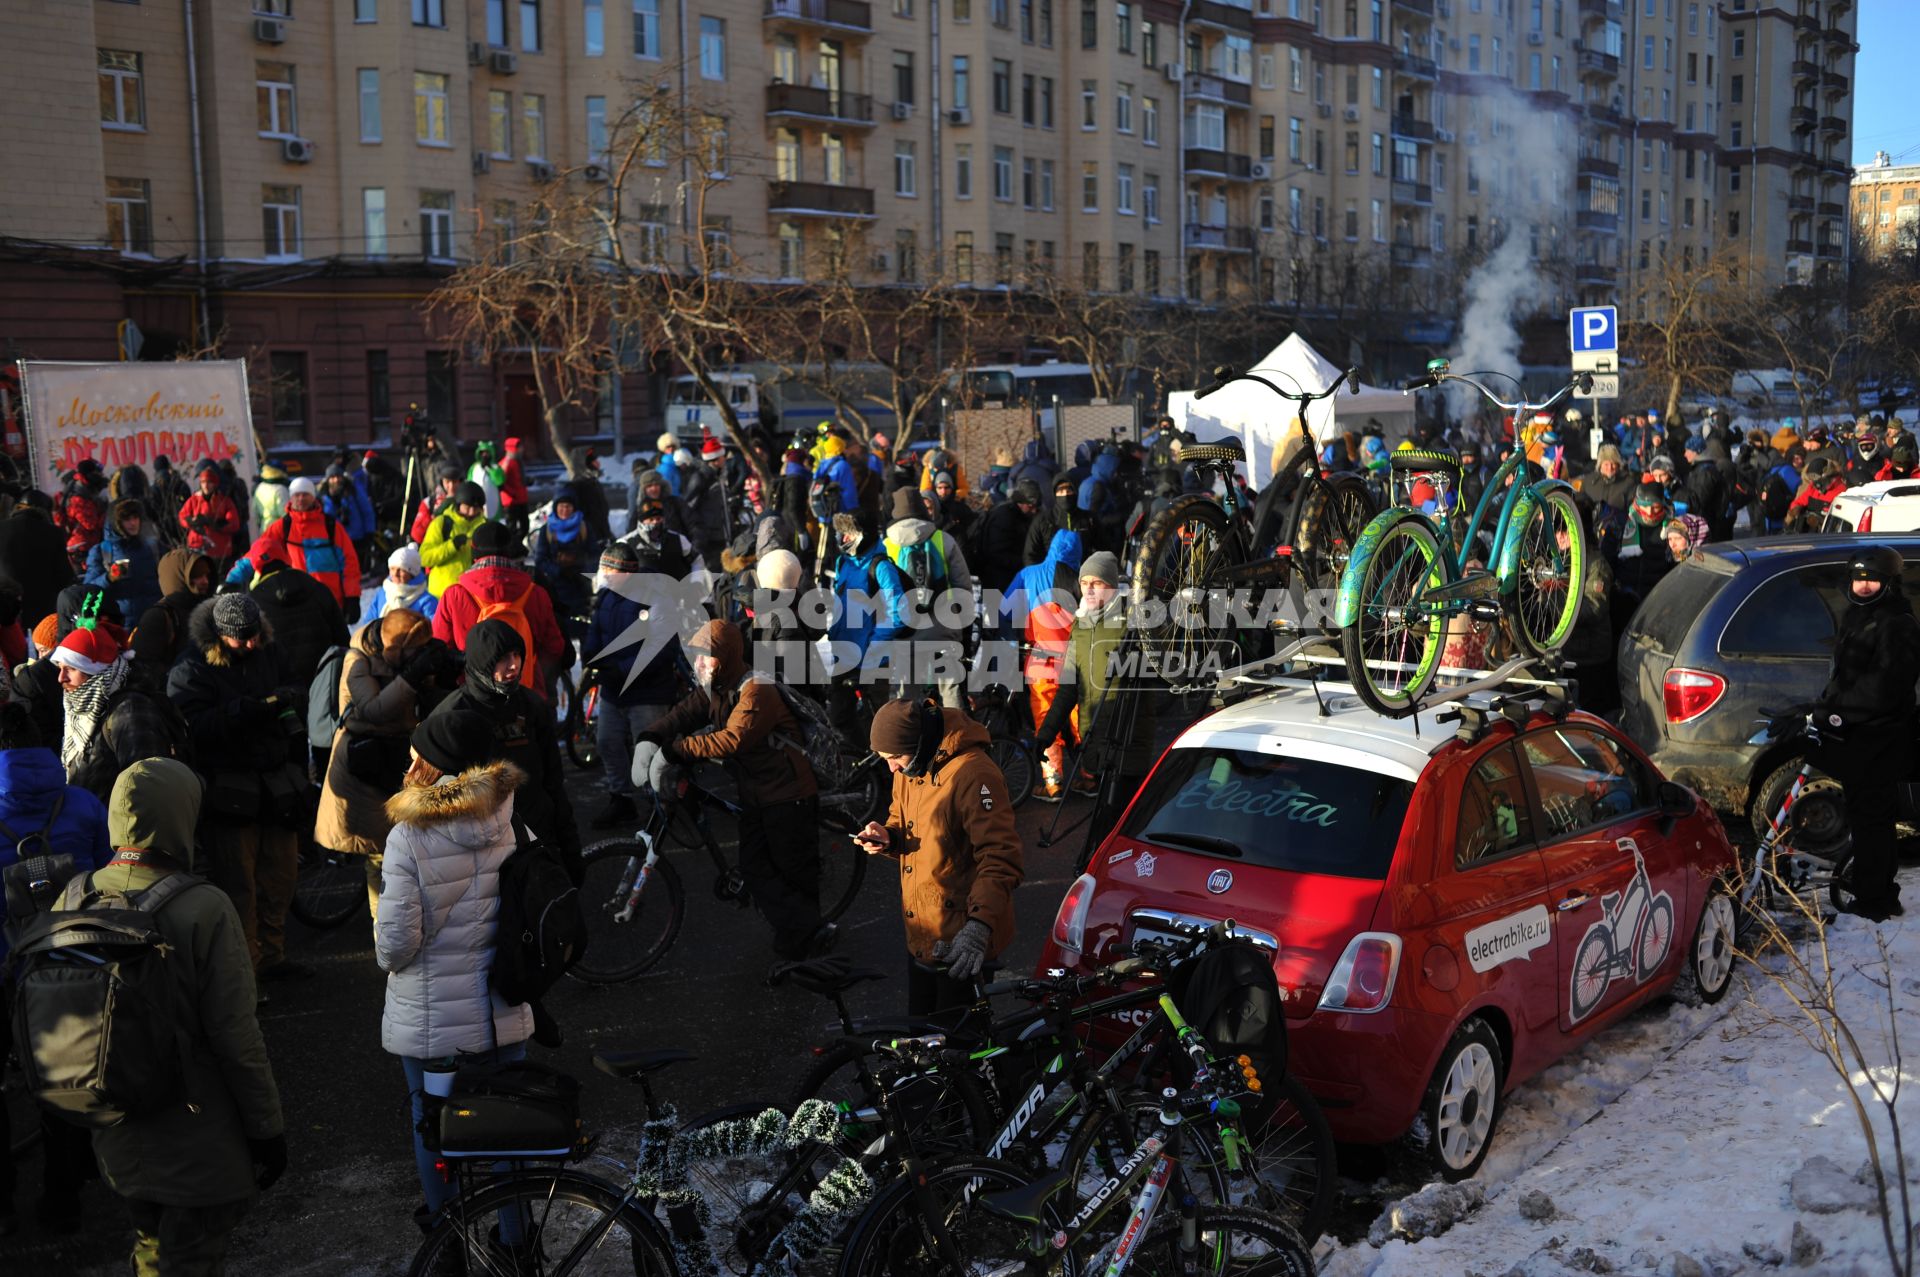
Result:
[
  {"x": 1819, "y": 818},
  {"x": 1455, "y": 1128},
  {"x": 1707, "y": 973}
]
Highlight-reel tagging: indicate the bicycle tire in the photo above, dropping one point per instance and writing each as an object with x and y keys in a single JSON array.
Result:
[
  {"x": 1544, "y": 603},
  {"x": 1331, "y": 521},
  {"x": 1406, "y": 562},
  {"x": 890, "y": 1239},
  {"x": 467, "y": 1221},
  {"x": 1105, "y": 1139},
  {"x": 562, "y": 699},
  {"x": 843, "y": 868},
  {"x": 1182, "y": 549},
  {"x": 863, "y": 797},
  {"x": 745, "y": 1218},
  {"x": 1295, "y": 1164},
  {"x": 329, "y": 888},
  {"x": 1226, "y": 1235},
  {"x": 1016, "y": 765},
  {"x": 579, "y": 730},
  {"x": 621, "y": 951},
  {"x": 959, "y": 1118}
]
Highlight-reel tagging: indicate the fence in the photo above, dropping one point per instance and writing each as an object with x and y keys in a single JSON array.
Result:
[{"x": 975, "y": 434}]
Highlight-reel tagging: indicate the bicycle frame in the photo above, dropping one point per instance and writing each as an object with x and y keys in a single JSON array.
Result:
[{"x": 1803, "y": 869}]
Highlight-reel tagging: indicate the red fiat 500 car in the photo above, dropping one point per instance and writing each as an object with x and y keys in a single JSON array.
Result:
[{"x": 1450, "y": 905}]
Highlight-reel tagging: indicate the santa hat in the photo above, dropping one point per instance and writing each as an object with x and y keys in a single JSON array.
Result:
[
  {"x": 710, "y": 447},
  {"x": 513, "y": 443},
  {"x": 369, "y": 456},
  {"x": 89, "y": 651}
]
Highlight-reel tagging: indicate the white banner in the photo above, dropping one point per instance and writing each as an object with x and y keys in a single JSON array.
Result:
[{"x": 126, "y": 414}]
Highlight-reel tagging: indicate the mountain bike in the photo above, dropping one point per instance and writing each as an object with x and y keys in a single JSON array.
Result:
[
  {"x": 1405, "y": 581},
  {"x": 1795, "y": 857},
  {"x": 634, "y": 902},
  {"x": 330, "y": 886},
  {"x": 1004, "y": 713},
  {"x": 1200, "y": 544}
]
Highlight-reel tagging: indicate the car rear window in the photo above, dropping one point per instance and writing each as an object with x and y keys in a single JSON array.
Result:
[
  {"x": 1663, "y": 620},
  {"x": 1299, "y": 814},
  {"x": 1790, "y": 615}
]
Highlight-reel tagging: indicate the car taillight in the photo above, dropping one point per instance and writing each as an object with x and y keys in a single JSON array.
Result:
[
  {"x": 1070, "y": 924},
  {"x": 1690, "y": 693},
  {"x": 1362, "y": 981},
  {"x": 1866, "y": 520}
]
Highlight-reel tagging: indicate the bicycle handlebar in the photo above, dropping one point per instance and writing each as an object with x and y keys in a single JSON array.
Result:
[
  {"x": 1581, "y": 381},
  {"x": 1224, "y": 376}
]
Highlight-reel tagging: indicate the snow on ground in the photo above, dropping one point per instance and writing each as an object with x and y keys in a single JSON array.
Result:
[{"x": 1670, "y": 1144}]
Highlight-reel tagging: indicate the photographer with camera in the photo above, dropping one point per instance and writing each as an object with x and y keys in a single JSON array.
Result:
[
  {"x": 211, "y": 519},
  {"x": 249, "y": 729}
]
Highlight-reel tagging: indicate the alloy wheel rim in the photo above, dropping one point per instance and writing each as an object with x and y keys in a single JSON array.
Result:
[{"x": 1466, "y": 1106}]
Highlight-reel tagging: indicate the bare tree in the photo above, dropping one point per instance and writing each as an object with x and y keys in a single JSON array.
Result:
[
  {"x": 1803, "y": 328},
  {"x": 1676, "y": 327},
  {"x": 1099, "y": 328}
]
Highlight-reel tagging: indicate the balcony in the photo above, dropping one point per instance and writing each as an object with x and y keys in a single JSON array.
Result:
[
  {"x": 1606, "y": 116},
  {"x": 1839, "y": 37},
  {"x": 1412, "y": 193},
  {"x": 1415, "y": 67},
  {"x": 1803, "y": 118},
  {"x": 1209, "y": 163},
  {"x": 1424, "y": 8},
  {"x": 1806, "y": 70},
  {"x": 1838, "y": 168},
  {"x": 1600, "y": 10},
  {"x": 1831, "y": 251},
  {"x": 1835, "y": 85},
  {"x": 1594, "y": 166},
  {"x": 1834, "y": 124},
  {"x": 832, "y": 15},
  {"x": 1594, "y": 273},
  {"x": 1416, "y": 255},
  {"x": 1211, "y": 88},
  {"x": 819, "y": 199},
  {"x": 1597, "y": 64},
  {"x": 1799, "y": 246},
  {"x": 802, "y": 101},
  {"x": 1591, "y": 220},
  {"x": 1800, "y": 203},
  {"x": 1832, "y": 208},
  {"x": 1226, "y": 16},
  {"x": 1806, "y": 22},
  {"x": 1221, "y": 239},
  {"x": 1418, "y": 130}
]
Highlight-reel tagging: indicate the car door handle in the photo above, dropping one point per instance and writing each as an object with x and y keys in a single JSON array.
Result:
[{"x": 1574, "y": 902}]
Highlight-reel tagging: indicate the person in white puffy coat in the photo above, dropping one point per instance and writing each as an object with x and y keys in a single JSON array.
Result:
[{"x": 439, "y": 908}]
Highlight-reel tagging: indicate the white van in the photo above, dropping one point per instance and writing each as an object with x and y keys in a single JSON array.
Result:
[
  {"x": 1889, "y": 505},
  {"x": 689, "y": 409}
]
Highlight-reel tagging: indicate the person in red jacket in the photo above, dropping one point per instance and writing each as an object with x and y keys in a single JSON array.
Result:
[
  {"x": 446, "y": 477},
  {"x": 82, "y": 511},
  {"x": 210, "y": 517},
  {"x": 1821, "y": 482},
  {"x": 318, "y": 545},
  {"x": 497, "y": 577},
  {"x": 513, "y": 490}
]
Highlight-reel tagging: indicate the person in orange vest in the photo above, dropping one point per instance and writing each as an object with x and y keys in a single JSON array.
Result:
[
  {"x": 497, "y": 578},
  {"x": 318, "y": 545}
]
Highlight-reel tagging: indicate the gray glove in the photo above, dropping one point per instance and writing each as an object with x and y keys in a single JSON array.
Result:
[
  {"x": 652, "y": 768},
  {"x": 965, "y": 953}
]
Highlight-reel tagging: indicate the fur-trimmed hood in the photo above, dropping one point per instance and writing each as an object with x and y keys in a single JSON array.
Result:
[
  {"x": 206, "y": 641},
  {"x": 474, "y": 795}
]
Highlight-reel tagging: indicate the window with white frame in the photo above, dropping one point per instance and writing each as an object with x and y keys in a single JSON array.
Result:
[
  {"x": 280, "y": 221},
  {"x": 652, "y": 226},
  {"x": 1207, "y": 126},
  {"x": 962, "y": 83},
  {"x": 1150, "y": 198},
  {"x": 497, "y": 23},
  {"x": 793, "y": 251},
  {"x": 1029, "y": 182},
  {"x": 533, "y": 125},
  {"x": 1236, "y": 52},
  {"x": 373, "y": 220},
  {"x": 500, "y": 124},
  {"x": 905, "y": 169},
  {"x": 1090, "y": 187},
  {"x": 1123, "y": 188},
  {"x": 1089, "y": 104},
  {"x": 530, "y": 25},
  {"x": 593, "y": 28},
  {"x": 833, "y": 153},
  {"x": 429, "y": 13},
  {"x": 129, "y": 214},
  {"x": 716, "y": 146},
  {"x": 786, "y": 155},
  {"x": 273, "y": 99},
  {"x": 1046, "y": 185},
  {"x": 122, "y": 99},
  {"x": 963, "y": 170},
  {"x": 1123, "y": 107},
  {"x": 713, "y": 48},
  {"x": 596, "y": 129},
  {"x": 369, "y": 79},
  {"x": 366, "y": 10},
  {"x": 1379, "y": 215},
  {"x": 436, "y": 225},
  {"x": 1150, "y": 121},
  {"x": 1003, "y": 173},
  {"x": 430, "y": 109},
  {"x": 646, "y": 28}
]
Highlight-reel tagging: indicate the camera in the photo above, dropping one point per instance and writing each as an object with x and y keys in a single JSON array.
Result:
[
  {"x": 289, "y": 715},
  {"x": 415, "y": 430}
]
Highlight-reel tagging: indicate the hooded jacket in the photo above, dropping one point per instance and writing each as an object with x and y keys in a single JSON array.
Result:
[
  {"x": 439, "y": 914},
  {"x": 524, "y": 734},
  {"x": 882, "y": 617},
  {"x": 1037, "y": 464},
  {"x": 221, "y": 696},
  {"x": 33, "y": 556},
  {"x": 1090, "y": 683},
  {"x": 1056, "y": 514},
  {"x": 463, "y": 601},
  {"x": 1099, "y": 493},
  {"x": 703, "y": 490},
  {"x": 304, "y": 616},
  {"x": 161, "y": 637},
  {"x": 614, "y": 614},
  {"x": 904, "y": 536},
  {"x": 953, "y": 832},
  {"x": 679, "y": 518},
  {"x": 593, "y": 497},
  {"x": 448, "y": 549},
  {"x": 1034, "y": 585},
  {"x": 352, "y": 509},
  {"x": 222, "y": 522},
  {"x": 31, "y": 780},
  {"x": 999, "y": 540},
  {"x": 269, "y": 495},
  {"x": 352, "y": 816},
  {"x": 318, "y": 544},
  {"x": 125, "y": 566},
  {"x": 742, "y": 722},
  {"x": 1876, "y": 659},
  {"x": 423, "y": 603},
  {"x": 194, "y": 1152}
]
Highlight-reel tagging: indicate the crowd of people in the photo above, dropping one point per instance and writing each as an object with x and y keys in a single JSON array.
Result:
[{"x": 200, "y": 674}]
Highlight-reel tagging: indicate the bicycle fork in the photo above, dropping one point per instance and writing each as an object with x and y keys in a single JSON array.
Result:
[{"x": 633, "y": 880}]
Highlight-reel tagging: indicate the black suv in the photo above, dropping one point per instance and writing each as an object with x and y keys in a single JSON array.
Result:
[{"x": 1741, "y": 626}]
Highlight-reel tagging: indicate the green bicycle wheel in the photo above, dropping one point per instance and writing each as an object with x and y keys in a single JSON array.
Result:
[
  {"x": 1543, "y": 599},
  {"x": 1393, "y": 646}
]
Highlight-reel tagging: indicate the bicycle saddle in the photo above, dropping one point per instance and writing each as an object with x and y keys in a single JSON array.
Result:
[
  {"x": 1026, "y": 1204},
  {"x": 627, "y": 1065},
  {"x": 826, "y": 978},
  {"x": 1425, "y": 459},
  {"x": 1226, "y": 449}
]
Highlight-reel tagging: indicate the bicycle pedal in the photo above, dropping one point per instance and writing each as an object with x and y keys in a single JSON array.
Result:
[
  {"x": 1484, "y": 610},
  {"x": 729, "y": 886}
]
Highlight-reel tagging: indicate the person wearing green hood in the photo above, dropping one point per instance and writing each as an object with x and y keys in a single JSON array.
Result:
[{"x": 190, "y": 1171}]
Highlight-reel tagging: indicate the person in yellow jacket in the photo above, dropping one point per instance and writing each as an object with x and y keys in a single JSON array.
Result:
[
  {"x": 448, "y": 550},
  {"x": 937, "y": 460}
]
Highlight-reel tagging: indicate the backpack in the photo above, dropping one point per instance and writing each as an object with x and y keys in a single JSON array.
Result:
[
  {"x": 823, "y": 501},
  {"x": 96, "y": 1006},
  {"x": 317, "y": 557},
  {"x": 811, "y": 733},
  {"x": 924, "y": 564},
  {"x": 542, "y": 931},
  {"x": 1776, "y": 497},
  {"x": 1230, "y": 994},
  {"x": 515, "y": 615},
  {"x": 323, "y": 698},
  {"x": 179, "y": 733},
  {"x": 28, "y": 886}
]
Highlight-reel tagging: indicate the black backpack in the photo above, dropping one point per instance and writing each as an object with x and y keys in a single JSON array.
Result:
[
  {"x": 1230, "y": 994},
  {"x": 1776, "y": 498},
  {"x": 97, "y": 1007},
  {"x": 542, "y": 931}
]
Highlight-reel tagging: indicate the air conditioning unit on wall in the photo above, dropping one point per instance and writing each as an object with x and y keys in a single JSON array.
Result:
[
  {"x": 296, "y": 150},
  {"x": 269, "y": 30},
  {"x": 502, "y": 63},
  {"x": 482, "y": 162},
  {"x": 903, "y": 110},
  {"x": 960, "y": 115}
]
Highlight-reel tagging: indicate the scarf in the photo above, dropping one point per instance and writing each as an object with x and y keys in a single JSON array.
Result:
[
  {"x": 489, "y": 692},
  {"x": 86, "y": 712},
  {"x": 567, "y": 529},
  {"x": 401, "y": 598}
]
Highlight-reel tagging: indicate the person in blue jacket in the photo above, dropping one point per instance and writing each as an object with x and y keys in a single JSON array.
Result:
[
  {"x": 1037, "y": 464},
  {"x": 124, "y": 563},
  {"x": 404, "y": 588},
  {"x": 40, "y": 813},
  {"x": 350, "y": 507},
  {"x": 1035, "y": 584},
  {"x": 630, "y": 702},
  {"x": 864, "y": 569},
  {"x": 837, "y": 467}
]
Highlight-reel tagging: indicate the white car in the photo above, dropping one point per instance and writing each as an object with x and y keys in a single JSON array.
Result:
[{"x": 1889, "y": 505}]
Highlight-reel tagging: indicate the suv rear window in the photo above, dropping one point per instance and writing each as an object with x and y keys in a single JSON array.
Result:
[
  {"x": 1790, "y": 615},
  {"x": 1299, "y": 814},
  {"x": 1663, "y": 620}
]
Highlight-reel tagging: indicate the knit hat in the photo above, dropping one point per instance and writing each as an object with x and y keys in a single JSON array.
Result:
[
  {"x": 302, "y": 485},
  {"x": 454, "y": 741},
  {"x": 89, "y": 651},
  {"x": 619, "y": 557},
  {"x": 1609, "y": 452},
  {"x": 495, "y": 540},
  {"x": 896, "y": 729},
  {"x": 408, "y": 557},
  {"x": 943, "y": 476},
  {"x": 336, "y": 471},
  {"x": 710, "y": 448},
  {"x": 369, "y": 457},
  {"x": 1102, "y": 565},
  {"x": 778, "y": 570},
  {"x": 1696, "y": 444},
  {"x": 908, "y": 504},
  {"x": 236, "y": 616},
  {"x": 470, "y": 493},
  {"x": 446, "y": 470},
  {"x": 568, "y": 493},
  {"x": 652, "y": 510}
]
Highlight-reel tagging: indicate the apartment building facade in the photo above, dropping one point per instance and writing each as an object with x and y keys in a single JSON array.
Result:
[
  {"x": 1348, "y": 161},
  {"x": 1886, "y": 213}
]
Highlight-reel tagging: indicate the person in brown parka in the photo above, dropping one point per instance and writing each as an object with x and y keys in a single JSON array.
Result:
[{"x": 951, "y": 826}]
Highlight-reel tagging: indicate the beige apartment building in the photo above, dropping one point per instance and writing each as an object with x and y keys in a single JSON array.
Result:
[
  {"x": 1338, "y": 158},
  {"x": 1886, "y": 212}
]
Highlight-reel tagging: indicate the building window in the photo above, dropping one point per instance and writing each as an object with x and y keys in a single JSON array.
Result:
[
  {"x": 533, "y": 119},
  {"x": 715, "y": 143},
  {"x": 1123, "y": 188},
  {"x": 1046, "y": 101},
  {"x": 129, "y": 215},
  {"x": 1739, "y": 42},
  {"x": 442, "y": 388},
  {"x": 1003, "y": 173},
  {"x": 436, "y": 225},
  {"x": 1123, "y": 267},
  {"x": 497, "y": 23},
  {"x": 1090, "y": 187},
  {"x": 653, "y": 233},
  {"x": 379, "y": 389},
  {"x": 1123, "y": 108},
  {"x": 1002, "y": 86},
  {"x": 530, "y": 25},
  {"x": 962, "y": 83},
  {"x": 1150, "y": 121},
  {"x": 1123, "y": 27},
  {"x": 596, "y": 130},
  {"x": 906, "y": 257},
  {"x": 998, "y": 13},
  {"x": 1027, "y": 104},
  {"x": 1379, "y": 212},
  {"x": 793, "y": 251},
  {"x": 646, "y": 28},
  {"x": 1089, "y": 104},
  {"x": 902, "y": 76},
  {"x": 121, "y": 103},
  {"x": 280, "y": 221},
  {"x": 1003, "y": 259},
  {"x": 1151, "y": 269},
  {"x": 366, "y": 10},
  {"x": 903, "y": 8},
  {"x": 500, "y": 124},
  {"x": 369, "y": 104},
  {"x": 273, "y": 99},
  {"x": 1295, "y": 131},
  {"x": 1090, "y": 265},
  {"x": 373, "y": 219},
  {"x": 430, "y": 109},
  {"x": 1029, "y": 185},
  {"x": 786, "y": 155},
  {"x": 429, "y": 13},
  {"x": 288, "y": 391},
  {"x": 594, "y": 28},
  {"x": 905, "y": 177},
  {"x": 1150, "y": 199},
  {"x": 963, "y": 257},
  {"x": 1379, "y": 155},
  {"x": 713, "y": 48},
  {"x": 1089, "y": 24},
  {"x": 1046, "y": 185},
  {"x": 963, "y": 171}
]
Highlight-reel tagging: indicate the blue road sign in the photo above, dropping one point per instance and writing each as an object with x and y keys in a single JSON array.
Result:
[{"x": 1593, "y": 329}]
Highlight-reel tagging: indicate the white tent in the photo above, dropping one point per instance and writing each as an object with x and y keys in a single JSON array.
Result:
[{"x": 1261, "y": 419}]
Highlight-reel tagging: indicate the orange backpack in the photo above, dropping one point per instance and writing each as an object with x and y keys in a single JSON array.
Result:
[{"x": 515, "y": 615}]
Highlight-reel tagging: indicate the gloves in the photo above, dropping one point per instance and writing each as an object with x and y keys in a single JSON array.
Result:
[
  {"x": 459, "y": 540},
  {"x": 967, "y": 951},
  {"x": 418, "y": 671},
  {"x": 652, "y": 768},
  {"x": 269, "y": 1160},
  {"x": 352, "y": 611}
]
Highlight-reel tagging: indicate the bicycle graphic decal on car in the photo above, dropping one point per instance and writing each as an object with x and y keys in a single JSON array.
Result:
[{"x": 1631, "y": 937}]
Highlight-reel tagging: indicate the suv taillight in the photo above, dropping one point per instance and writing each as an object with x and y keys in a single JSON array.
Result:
[
  {"x": 1690, "y": 693},
  {"x": 1362, "y": 981},
  {"x": 1866, "y": 520},
  {"x": 1070, "y": 924}
]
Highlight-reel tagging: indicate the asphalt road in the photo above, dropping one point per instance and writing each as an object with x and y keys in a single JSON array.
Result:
[{"x": 344, "y": 1206}]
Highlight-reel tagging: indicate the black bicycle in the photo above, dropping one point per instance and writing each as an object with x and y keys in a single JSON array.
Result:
[{"x": 331, "y": 886}]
